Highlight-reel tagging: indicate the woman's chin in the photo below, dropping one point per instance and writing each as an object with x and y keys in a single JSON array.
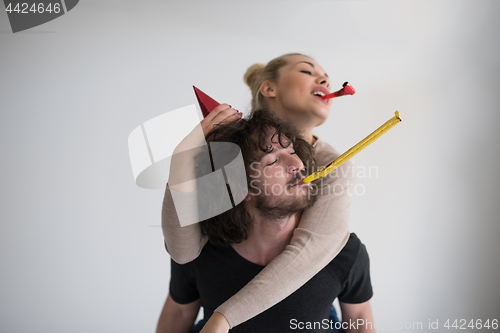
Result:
[{"x": 321, "y": 116}]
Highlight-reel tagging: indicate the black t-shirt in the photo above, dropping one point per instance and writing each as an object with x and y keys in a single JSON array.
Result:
[{"x": 220, "y": 272}]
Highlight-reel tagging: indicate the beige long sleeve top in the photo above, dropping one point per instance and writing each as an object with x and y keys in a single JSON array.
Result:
[{"x": 322, "y": 232}]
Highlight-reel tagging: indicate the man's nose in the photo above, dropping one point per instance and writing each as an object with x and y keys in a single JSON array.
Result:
[{"x": 295, "y": 164}]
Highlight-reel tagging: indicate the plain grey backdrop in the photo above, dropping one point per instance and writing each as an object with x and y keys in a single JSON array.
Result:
[{"x": 81, "y": 249}]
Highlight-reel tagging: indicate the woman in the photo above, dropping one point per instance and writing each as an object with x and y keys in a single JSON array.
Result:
[{"x": 290, "y": 85}]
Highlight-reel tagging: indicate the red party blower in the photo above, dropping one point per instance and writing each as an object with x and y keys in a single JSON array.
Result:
[{"x": 347, "y": 89}]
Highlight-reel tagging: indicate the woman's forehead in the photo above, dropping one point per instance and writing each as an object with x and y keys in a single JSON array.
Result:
[{"x": 295, "y": 59}]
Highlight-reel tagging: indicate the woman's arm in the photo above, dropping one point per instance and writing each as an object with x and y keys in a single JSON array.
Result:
[
  {"x": 322, "y": 232},
  {"x": 184, "y": 244}
]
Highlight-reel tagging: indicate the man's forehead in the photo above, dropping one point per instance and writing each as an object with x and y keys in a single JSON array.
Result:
[{"x": 272, "y": 141}]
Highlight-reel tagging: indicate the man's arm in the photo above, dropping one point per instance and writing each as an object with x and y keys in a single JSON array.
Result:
[
  {"x": 177, "y": 318},
  {"x": 360, "y": 314}
]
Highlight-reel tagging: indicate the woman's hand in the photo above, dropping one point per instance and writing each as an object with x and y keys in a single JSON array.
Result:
[
  {"x": 221, "y": 114},
  {"x": 182, "y": 168},
  {"x": 217, "y": 323}
]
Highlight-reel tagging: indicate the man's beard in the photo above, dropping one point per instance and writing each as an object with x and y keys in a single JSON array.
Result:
[{"x": 284, "y": 206}]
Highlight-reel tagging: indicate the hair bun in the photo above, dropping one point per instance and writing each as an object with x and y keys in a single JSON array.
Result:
[{"x": 252, "y": 73}]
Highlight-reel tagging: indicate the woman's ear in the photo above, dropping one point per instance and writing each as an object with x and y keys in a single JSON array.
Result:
[{"x": 268, "y": 89}]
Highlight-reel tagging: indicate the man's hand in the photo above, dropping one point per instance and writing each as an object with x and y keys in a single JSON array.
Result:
[
  {"x": 177, "y": 318},
  {"x": 216, "y": 324},
  {"x": 360, "y": 314}
]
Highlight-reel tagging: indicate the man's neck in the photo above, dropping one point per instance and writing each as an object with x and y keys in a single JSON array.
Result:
[{"x": 267, "y": 238}]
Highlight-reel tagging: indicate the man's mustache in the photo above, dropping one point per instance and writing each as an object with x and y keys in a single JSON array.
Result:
[{"x": 299, "y": 175}]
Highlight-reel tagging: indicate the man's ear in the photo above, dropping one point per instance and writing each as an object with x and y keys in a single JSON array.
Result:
[{"x": 268, "y": 89}]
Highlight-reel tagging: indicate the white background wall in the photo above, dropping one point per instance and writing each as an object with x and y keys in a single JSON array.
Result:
[{"x": 80, "y": 245}]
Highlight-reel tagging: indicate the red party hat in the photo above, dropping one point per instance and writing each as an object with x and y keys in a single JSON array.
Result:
[{"x": 207, "y": 103}]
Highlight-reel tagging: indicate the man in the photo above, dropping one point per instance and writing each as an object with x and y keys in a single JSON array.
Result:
[{"x": 245, "y": 239}]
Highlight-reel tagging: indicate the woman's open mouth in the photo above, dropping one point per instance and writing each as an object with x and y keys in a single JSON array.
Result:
[{"x": 320, "y": 92}]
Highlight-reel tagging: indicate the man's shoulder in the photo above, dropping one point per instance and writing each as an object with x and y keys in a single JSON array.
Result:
[
  {"x": 353, "y": 251},
  {"x": 356, "y": 281},
  {"x": 351, "y": 248}
]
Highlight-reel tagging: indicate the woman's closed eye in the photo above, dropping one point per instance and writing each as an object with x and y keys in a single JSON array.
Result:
[
  {"x": 307, "y": 72},
  {"x": 273, "y": 162}
]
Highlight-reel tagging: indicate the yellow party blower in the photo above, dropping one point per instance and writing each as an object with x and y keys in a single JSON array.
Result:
[{"x": 354, "y": 150}]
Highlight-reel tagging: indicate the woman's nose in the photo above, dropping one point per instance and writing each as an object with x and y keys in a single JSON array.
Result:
[{"x": 324, "y": 80}]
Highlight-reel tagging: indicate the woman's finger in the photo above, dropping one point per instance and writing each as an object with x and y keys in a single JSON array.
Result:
[
  {"x": 232, "y": 117},
  {"x": 220, "y": 116},
  {"x": 215, "y": 112}
]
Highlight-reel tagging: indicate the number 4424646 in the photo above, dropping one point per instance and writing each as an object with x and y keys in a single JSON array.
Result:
[
  {"x": 461, "y": 324},
  {"x": 22, "y": 8}
]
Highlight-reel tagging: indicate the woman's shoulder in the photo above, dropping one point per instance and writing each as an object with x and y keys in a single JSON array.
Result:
[
  {"x": 322, "y": 146},
  {"x": 324, "y": 153}
]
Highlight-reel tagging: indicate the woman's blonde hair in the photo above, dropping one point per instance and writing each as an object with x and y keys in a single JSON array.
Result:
[{"x": 258, "y": 73}]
